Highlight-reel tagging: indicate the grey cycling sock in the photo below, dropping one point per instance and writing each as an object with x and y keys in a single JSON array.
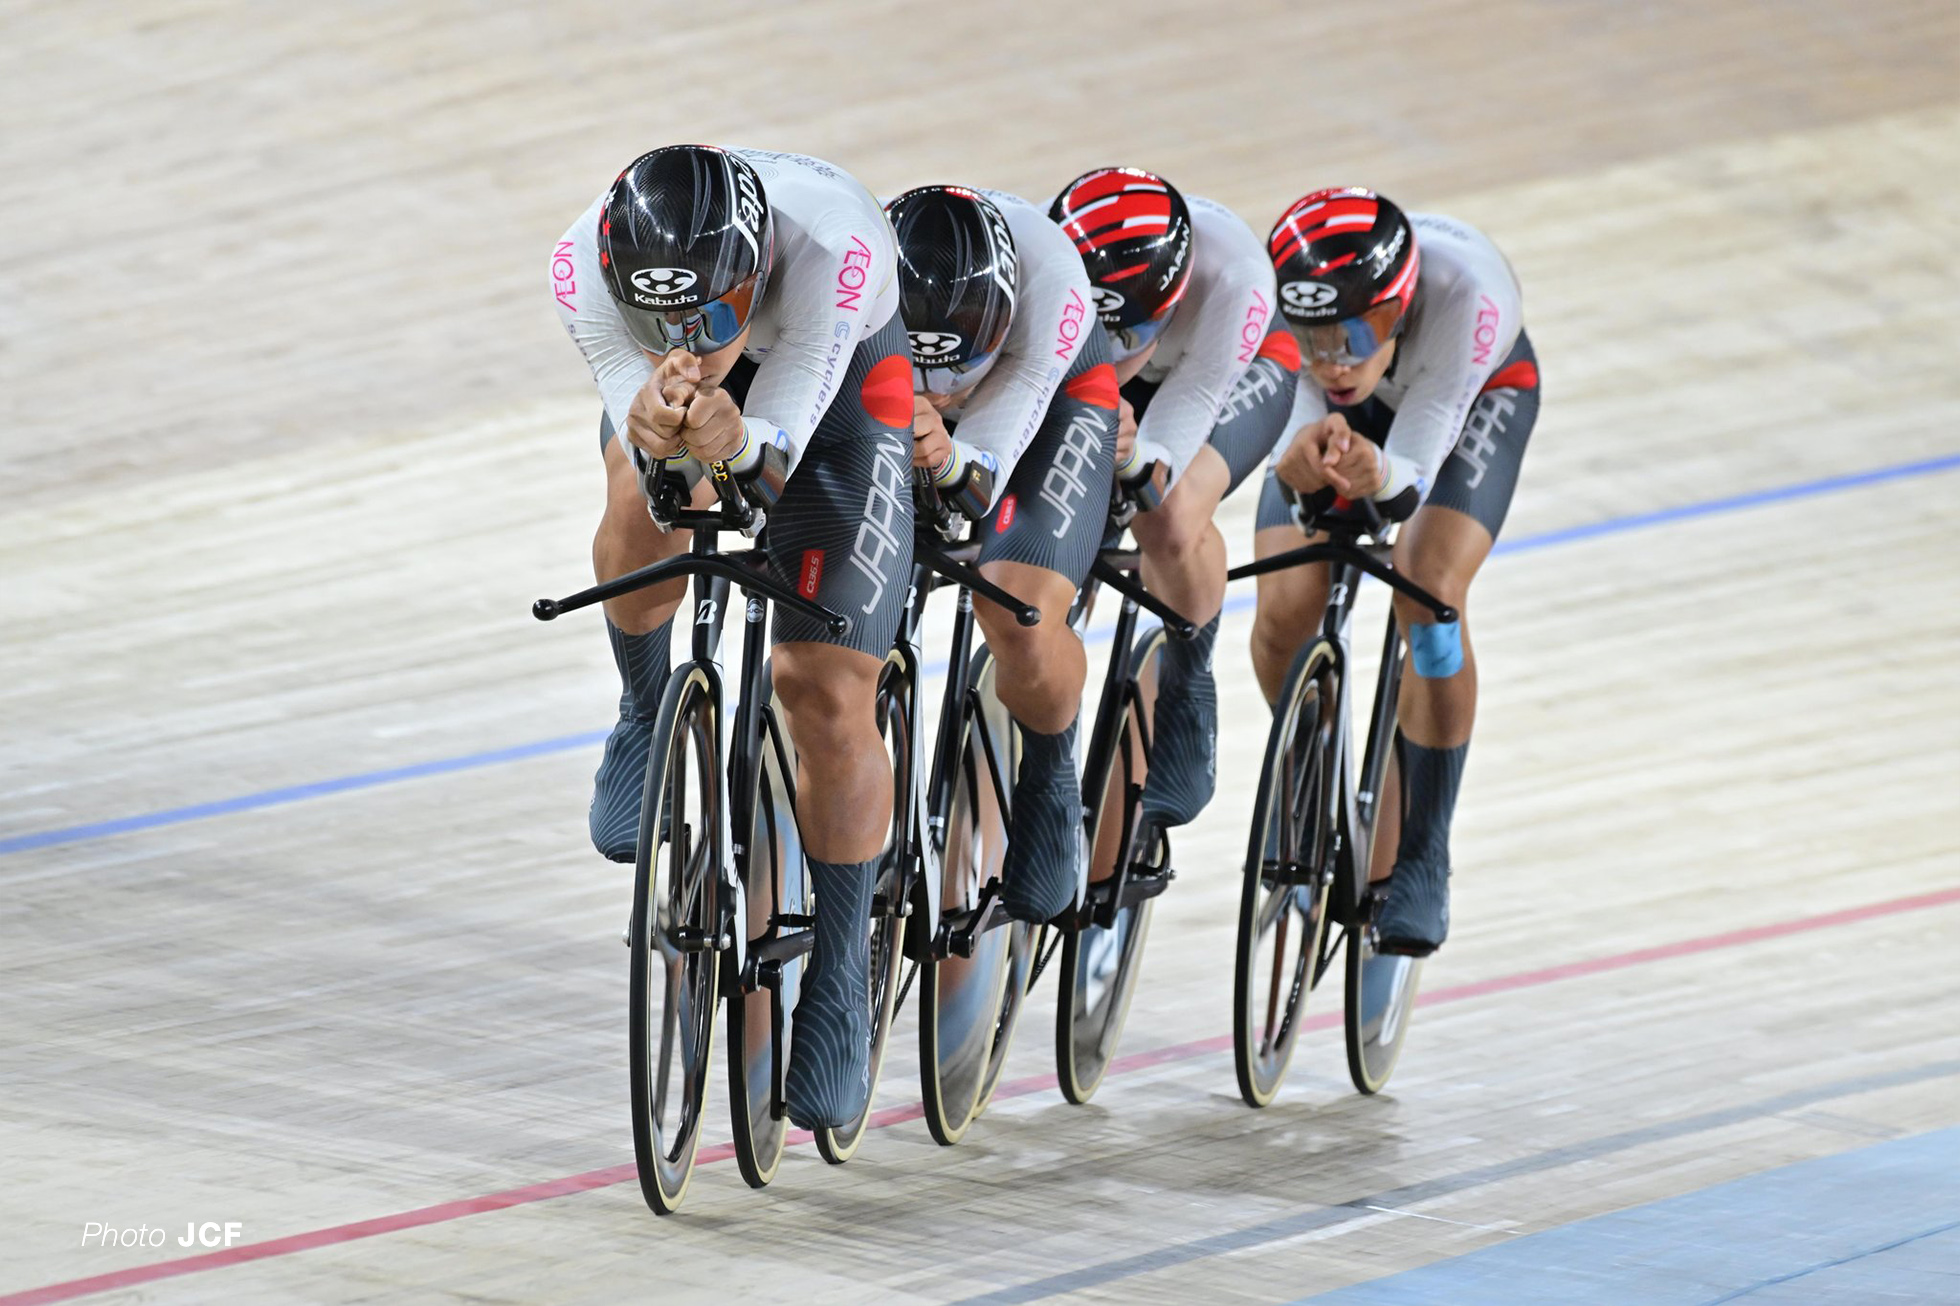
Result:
[
  {"x": 642, "y": 663},
  {"x": 619, "y": 788},
  {"x": 1045, "y": 838},
  {"x": 830, "y": 1047},
  {"x": 1186, "y": 657},
  {"x": 1046, "y": 758},
  {"x": 1430, "y": 779}
]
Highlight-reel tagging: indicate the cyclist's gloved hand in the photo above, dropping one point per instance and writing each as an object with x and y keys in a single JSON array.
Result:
[{"x": 966, "y": 480}]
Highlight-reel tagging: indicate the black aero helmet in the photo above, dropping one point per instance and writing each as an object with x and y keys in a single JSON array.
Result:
[
  {"x": 1347, "y": 265},
  {"x": 958, "y": 275},
  {"x": 1134, "y": 234},
  {"x": 685, "y": 242}
]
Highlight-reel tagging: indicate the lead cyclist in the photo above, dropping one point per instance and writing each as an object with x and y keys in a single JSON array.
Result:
[
  {"x": 742, "y": 306},
  {"x": 1420, "y": 391},
  {"x": 1015, "y": 414}
]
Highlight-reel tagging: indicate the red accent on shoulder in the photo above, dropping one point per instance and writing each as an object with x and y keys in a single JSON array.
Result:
[
  {"x": 811, "y": 573},
  {"x": 1521, "y": 375},
  {"x": 1005, "y": 518},
  {"x": 887, "y": 391},
  {"x": 1096, "y": 387},
  {"x": 1282, "y": 348}
]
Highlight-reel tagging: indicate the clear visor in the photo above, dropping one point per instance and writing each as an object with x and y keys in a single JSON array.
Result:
[
  {"x": 942, "y": 379},
  {"x": 701, "y": 329},
  {"x": 1353, "y": 340}
]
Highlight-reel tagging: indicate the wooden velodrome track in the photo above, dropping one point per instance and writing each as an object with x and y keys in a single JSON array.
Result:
[{"x": 299, "y": 927}]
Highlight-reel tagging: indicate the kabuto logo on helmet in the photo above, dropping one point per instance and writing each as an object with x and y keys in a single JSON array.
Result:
[
  {"x": 1107, "y": 301},
  {"x": 663, "y": 283},
  {"x": 933, "y": 344},
  {"x": 1306, "y": 296}
]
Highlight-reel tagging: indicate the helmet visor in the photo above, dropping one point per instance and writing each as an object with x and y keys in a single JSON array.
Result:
[
  {"x": 1352, "y": 340},
  {"x": 941, "y": 378},
  {"x": 701, "y": 329},
  {"x": 1127, "y": 342}
]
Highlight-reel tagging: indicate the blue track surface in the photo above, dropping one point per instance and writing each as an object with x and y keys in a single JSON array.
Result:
[{"x": 1872, "y": 1227}]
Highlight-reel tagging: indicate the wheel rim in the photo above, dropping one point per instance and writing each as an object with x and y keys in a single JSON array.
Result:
[
  {"x": 887, "y": 928},
  {"x": 961, "y": 1015},
  {"x": 778, "y": 872},
  {"x": 1283, "y": 905},
  {"x": 1100, "y": 965},
  {"x": 1381, "y": 995},
  {"x": 675, "y": 980}
]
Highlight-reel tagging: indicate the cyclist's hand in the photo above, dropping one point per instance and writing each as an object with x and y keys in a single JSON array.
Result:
[
  {"x": 931, "y": 445},
  {"x": 1303, "y": 465},
  {"x": 713, "y": 429},
  {"x": 1352, "y": 464},
  {"x": 654, "y": 421},
  {"x": 1126, "y": 430}
]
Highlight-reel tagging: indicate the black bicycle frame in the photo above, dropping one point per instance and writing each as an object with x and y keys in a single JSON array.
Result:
[
  {"x": 937, "y": 564},
  {"x": 1115, "y": 569},
  {"x": 1348, "y": 560}
]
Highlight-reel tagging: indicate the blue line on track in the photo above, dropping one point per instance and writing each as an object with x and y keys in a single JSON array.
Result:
[{"x": 1240, "y": 602}]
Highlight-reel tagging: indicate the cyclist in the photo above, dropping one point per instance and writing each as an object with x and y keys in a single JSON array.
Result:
[
  {"x": 1007, "y": 352},
  {"x": 1207, "y": 376},
  {"x": 1420, "y": 388},
  {"x": 742, "y": 306}
]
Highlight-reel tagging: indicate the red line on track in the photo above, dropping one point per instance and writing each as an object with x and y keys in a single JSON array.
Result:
[{"x": 606, "y": 1177}]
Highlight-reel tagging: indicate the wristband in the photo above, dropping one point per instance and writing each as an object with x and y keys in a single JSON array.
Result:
[{"x": 1399, "y": 474}]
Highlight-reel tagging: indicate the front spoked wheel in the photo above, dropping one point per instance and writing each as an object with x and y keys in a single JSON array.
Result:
[
  {"x": 1381, "y": 995},
  {"x": 887, "y": 922},
  {"x": 970, "y": 998},
  {"x": 1101, "y": 962},
  {"x": 1282, "y": 940},
  {"x": 778, "y": 899},
  {"x": 676, "y": 937}
]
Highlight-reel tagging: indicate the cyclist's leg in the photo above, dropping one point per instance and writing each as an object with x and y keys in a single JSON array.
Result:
[
  {"x": 638, "y": 625},
  {"x": 1290, "y": 601},
  {"x": 842, "y": 535},
  {"x": 1038, "y": 545},
  {"x": 1442, "y": 549},
  {"x": 1184, "y": 564}
]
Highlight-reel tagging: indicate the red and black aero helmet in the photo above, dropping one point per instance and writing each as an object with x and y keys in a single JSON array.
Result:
[
  {"x": 1347, "y": 262},
  {"x": 685, "y": 242},
  {"x": 958, "y": 274},
  {"x": 1134, "y": 233}
]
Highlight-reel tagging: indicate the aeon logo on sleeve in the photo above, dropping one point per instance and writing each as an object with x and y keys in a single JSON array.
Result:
[
  {"x": 933, "y": 344},
  {"x": 564, "y": 281},
  {"x": 1305, "y": 295},
  {"x": 1070, "y": 330},
  {"x": 1254, "y": 330},
  {"x": 1107, "y": 301},
  {"x": 851, "y": 275},
  {"x": 663, "y": 282}
]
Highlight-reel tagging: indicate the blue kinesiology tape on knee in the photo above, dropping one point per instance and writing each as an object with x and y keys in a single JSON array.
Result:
[{"x": 1436, "y": 650}]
